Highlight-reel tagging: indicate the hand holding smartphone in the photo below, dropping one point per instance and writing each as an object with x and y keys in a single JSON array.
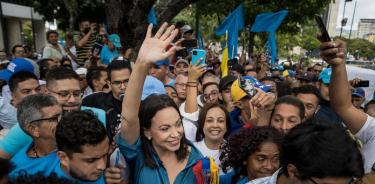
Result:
[
  {"x": 198, "y": 55},
  {"x": 324, "y": 36}
]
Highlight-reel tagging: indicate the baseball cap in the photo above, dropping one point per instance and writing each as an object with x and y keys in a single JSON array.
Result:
[
  {"x": 325, "y": 75},
  {"x": 181, "y": 61},
  {"x": 359, "y": 92},
  {"x": 226, "y": 81},
  {"x": 115, "y": 39},
  {"x": 186, "y": 28},
  {"x": 152, "y": 86},
  {"x": 308, "y": 76},
  {"x": 238, "y": 93},
  {"x": 15, "y": 66},
  {"x": 81, "y": 71},
  {"x": 162, "y": 62}
]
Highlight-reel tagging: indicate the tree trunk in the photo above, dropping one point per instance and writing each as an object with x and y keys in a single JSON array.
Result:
[
  {"x": 71, "y": 7},
  {"x": 251, "y": 44},
  {"x": 129, "y": 18}
]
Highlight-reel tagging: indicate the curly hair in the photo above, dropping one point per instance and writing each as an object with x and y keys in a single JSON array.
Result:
[{"x": 236, "y": 150}]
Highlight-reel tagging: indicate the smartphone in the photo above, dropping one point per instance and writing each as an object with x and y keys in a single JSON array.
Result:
[
  {"x": 189, "y": 43},
  {"x": 247, "y": 86},
  {"x": 198, "y": 55},
  {"x": 324, "y": 37},
  {"x": 96, "y": 49},
  {"x": 362, "y": 83}
]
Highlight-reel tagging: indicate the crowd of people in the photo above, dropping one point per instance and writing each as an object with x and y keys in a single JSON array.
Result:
[{"x": 82, "y": 115}]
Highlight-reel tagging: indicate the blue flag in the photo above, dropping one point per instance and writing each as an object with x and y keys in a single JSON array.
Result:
[
  {"x": 269, "y": 22},
  {"x": 233, "y": 23},
  {"x": 152, "y": 17}
]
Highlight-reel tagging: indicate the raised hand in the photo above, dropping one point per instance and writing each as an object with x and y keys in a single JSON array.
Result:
[
  {"x": 195, "y": 71},
  {"x": 333, "y": 52},
  {"x": 153, "y": 47}
]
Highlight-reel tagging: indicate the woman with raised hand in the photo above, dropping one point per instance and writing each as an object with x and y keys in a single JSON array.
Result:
[{"x": 152, "y": 136}]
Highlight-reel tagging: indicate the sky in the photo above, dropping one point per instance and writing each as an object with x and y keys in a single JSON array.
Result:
[{"x": 365, "y": 9}]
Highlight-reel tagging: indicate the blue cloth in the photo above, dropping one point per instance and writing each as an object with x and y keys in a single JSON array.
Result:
[
  {"x": 61, "y": 174},
  {"x": 235, "y": 121},
  {"x": 326, "y": 113},
  {"x": 106, "y": 56},
  {"x": 16, "y": 138},
  {"x": 8, "y": 114},
  {"x": 23, "y": 164},
  {"x": 152, "y": 17},
  {"x": 172, "y": 83},
  {"x": 269, "y": 22},
  {"x": 325, "y": 75},
  {"x": 232, "y": 24},
  {"x": 143, "y": 174},
  {"x": 151, "y": 86}
]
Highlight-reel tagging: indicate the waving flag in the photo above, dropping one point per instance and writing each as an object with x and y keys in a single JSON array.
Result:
[
  {"x": 269, "y": 22},
  {"x": 152, "y": 17},
  {"x": 224, "y": 60},
  {"x": 232, "y": 24}
]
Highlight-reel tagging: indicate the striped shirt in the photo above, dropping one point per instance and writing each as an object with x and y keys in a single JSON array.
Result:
[{"x": 83, "y": 53}]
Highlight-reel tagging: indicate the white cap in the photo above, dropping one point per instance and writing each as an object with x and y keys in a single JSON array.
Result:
[{"x": 81, "y": 71}]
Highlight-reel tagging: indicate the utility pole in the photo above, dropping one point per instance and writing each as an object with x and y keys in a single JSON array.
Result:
[
  {"x": 343, "y": 20},
  {"x": 351, "y": 26}
]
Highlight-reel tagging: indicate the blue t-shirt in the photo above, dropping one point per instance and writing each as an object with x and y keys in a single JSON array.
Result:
[
  {"x": 16, "y": 138},
  {"x": 143, "y": 174},
  {"x": 106, "y": 55},
  {"x": 61, "y": 174},
  {"x": 23, "y": 164}
]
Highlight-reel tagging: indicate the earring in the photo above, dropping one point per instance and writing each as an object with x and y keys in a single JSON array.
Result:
[{"x": 149, "y": 138}]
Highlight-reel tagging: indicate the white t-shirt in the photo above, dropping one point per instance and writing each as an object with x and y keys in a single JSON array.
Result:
[
  {"x": 207, "y": 152},
  {"x": 189, "y": 122},
  {"x": 367, "y": 136}
]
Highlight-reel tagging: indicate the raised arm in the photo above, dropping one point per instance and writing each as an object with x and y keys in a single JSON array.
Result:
[
  {"x": 194, "y": 72},
  {"x": 339, "y": 90},
  {"x": 152, "y": 50}
]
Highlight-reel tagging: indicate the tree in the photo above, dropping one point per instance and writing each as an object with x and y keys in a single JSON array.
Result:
[{"x": 360, "y": 47}]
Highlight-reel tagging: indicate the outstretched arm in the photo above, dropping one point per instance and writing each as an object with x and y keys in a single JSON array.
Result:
[
  {"x": 152, "y": 50},
  {"x": 339, "y": 90}
]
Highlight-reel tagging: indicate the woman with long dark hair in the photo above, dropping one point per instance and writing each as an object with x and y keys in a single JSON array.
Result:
[{"x": 152, "y": 136}]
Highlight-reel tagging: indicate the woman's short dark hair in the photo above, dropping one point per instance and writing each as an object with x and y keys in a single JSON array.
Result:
[
  {"x": 149, "y": 107},
  {"x": 321, "y": 149},
  {"x": 243, "y": 144},
  {"x": 291, "y": 100},
  {"x": 202, "y": 118}
]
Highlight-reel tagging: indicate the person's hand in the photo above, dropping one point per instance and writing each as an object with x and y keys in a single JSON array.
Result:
[
  {"x": 354, "y": 82},
  {"x": 153, "y": 47},
  {"x": 333, "y": 52},
  {"x": 263, "y": 100},
  {"x": 93, "y": 27},
  {"x": 113, "y": 175},
  {"x": 195, "y": 71}
]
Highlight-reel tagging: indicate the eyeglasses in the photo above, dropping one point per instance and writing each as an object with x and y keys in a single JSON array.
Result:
[
  {"x": 68, "y": 94},
  {"x": 181, "y": 84},
  {"x": 118, "y": 83},
  {"x": 53, "y": 119},
  {"x": 213, "y": 93}
]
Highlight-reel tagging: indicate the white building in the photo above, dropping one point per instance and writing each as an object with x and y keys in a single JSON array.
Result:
[
  {"x": 16, "y": 21},
  {"x": 331, "y": 17},
  {"x": 366, "y": 27}
]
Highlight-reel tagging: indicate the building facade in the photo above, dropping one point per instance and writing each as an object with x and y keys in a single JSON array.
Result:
[{"x": 366, "y": 27}]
